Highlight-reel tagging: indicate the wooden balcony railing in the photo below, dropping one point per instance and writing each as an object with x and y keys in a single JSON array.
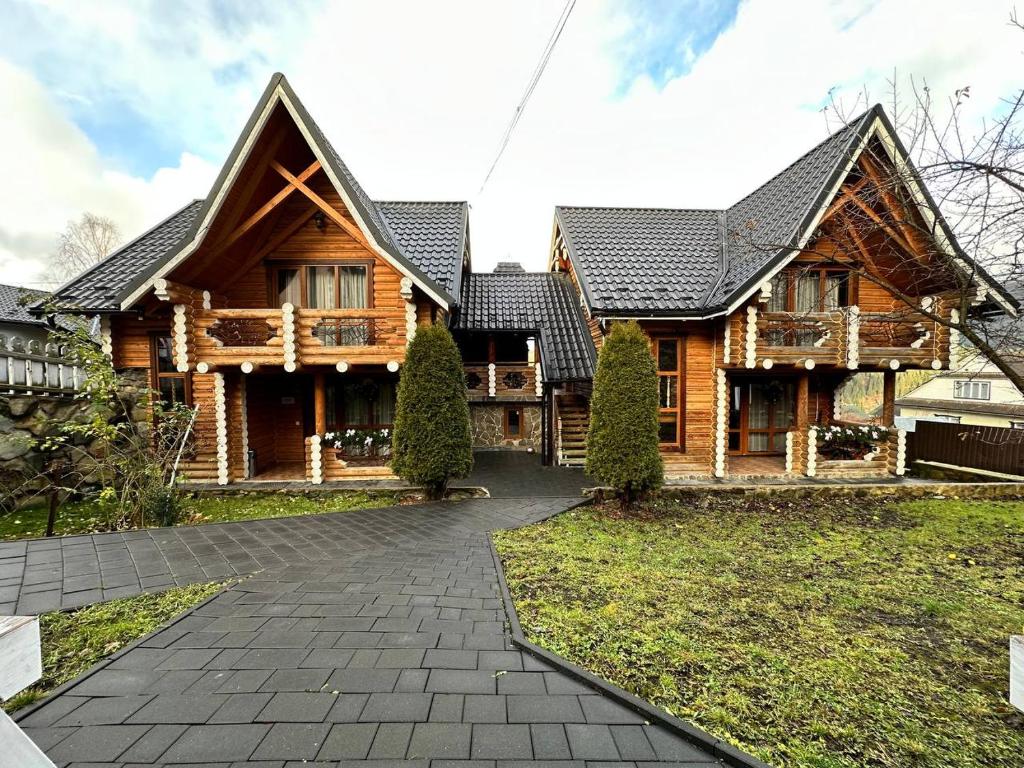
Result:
[
  {"x": 290, "y": 337},
  {"x": 847, "y": 338},
  {"x": 508, "y": 380}
]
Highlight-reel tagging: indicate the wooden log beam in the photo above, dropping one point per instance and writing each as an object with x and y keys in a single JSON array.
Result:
[
  {"x": 888, "y": 398},
  {"x": 274, "y": 243},
  {"x": 892, "y": 233},
  {"x": 322, "y": 204},
  {"x": 267, "y": 207},
  {"x": 319, "y": 403},
  {"x": 899, "y": 211},
  {"x": 845, "y": 196}
]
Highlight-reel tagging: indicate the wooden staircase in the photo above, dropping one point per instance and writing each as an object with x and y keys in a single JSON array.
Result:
[{"x": 573, "y": 423}]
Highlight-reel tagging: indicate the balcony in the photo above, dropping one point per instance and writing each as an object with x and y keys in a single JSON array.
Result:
[
  {"x": 846, "y": 338},
  {"x": 290, "y": 337},
  {"x": 505, "y": 381}
]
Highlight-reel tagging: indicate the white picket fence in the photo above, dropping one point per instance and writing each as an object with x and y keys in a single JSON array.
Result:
[{"x": 30, "y": 367}]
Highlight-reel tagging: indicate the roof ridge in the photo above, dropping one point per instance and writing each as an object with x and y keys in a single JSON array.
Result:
[
  {"x": 858, "y": 121},
  {"x": 421, "y": 202},
  {"x": 636, "y": 208}
]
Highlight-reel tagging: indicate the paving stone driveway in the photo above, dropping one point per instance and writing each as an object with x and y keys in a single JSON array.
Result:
[
  {"x": 46, "y": 574},
  {"x": 385, "y": 643}
]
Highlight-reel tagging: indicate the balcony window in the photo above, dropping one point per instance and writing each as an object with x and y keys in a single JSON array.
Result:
[
  {"x": 324, "y": 286},
  {"x": 810, "y": 289},
  {"x": 972, "y": 390}
]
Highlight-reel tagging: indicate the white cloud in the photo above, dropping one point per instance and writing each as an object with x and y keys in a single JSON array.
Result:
[
  {"x": 416, "y": 96},
  {"x": 59, "y": 175}
]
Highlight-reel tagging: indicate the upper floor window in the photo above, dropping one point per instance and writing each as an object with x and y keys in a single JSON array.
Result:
[
  {"x": 327, "y": 286},
  {"x": 810, "y": 289},
  {"x": 972, "y": 390}
]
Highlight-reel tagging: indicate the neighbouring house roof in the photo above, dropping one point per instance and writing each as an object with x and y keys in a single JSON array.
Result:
[
  {"x": 699, "y": 262},
  {"x": 408, "y": 236},
  {"x": 544, "y": 303},
  {"x": 434, "y": 236},
  {"x": 508, "y": 266},
  {"x": 13, "y": 305},
  {"x": 965, "y": 406}
]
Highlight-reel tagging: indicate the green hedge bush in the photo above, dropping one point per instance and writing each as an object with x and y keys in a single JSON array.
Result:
[
  {"x": 432, "y": 443},
  {"x": 622, "y": 444}
]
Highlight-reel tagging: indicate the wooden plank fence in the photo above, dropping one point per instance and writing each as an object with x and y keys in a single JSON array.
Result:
[
  {"x": 997, "y": 449},
  {"x": 28, "y": 367}
]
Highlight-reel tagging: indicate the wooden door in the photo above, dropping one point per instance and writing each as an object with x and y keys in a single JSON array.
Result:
[
  {"x": 761, "y": 411},
  {"x": 668, "y": 355}
]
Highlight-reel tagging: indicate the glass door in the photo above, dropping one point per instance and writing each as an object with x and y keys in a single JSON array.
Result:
[
  {"x": 669, "y": 358},
  {"x": 760, "y": 414}
]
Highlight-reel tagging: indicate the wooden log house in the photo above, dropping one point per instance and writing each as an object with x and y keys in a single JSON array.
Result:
[{"x": 282, "y": 305}]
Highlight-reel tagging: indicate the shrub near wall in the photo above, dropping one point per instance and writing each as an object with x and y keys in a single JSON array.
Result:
[
  {"x": 432, "y": 442},
  {"x": 622, "y": 444}
]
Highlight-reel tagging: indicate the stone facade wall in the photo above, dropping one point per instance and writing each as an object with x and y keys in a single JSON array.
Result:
[
  {"x": 27, "y": 420},
  {"x": 487, "y": 421}
]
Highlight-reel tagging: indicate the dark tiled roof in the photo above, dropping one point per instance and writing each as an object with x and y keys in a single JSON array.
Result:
[
  {"x": 774, "y": 216},
  {"x": 508, "y": 266},
  {"x": 997, "y": 409},
  {"x": 432, "y": 236},
  {"x": 665, "y": 261},
  {"x": 101, "y": 287},
  {"x": 14, "y": 301},
  {"x": 643, "y": 259},
  {"x": 541, "y": 302}
]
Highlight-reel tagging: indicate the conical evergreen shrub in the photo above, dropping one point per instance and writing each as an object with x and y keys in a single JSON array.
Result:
[
  {"x": 431, "y": 444},
  {"x": 622, "y": 444}
]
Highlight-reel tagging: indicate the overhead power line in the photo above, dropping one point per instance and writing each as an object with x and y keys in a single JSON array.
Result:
[{"x": 534, "y": 79}]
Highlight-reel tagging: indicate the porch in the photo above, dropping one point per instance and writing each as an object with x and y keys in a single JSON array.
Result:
[{"x": 310, "y": 426}]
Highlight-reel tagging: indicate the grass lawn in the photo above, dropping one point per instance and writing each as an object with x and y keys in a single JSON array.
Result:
[
  {"x": 73, "y": 641},
  {"x": 88, "y": 517},
  {"x": 830, "y": 633}
]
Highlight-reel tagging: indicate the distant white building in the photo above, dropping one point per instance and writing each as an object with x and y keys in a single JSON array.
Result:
[{"x": 975, "y": 393}]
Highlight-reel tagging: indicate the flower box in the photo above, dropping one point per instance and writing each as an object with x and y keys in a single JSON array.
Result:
[{"x": 850, "y": 442}]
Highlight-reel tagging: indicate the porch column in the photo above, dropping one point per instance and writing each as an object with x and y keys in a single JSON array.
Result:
[
  {"x": 221, "y": 413},
  {"x": 798, "y": 438},
  {"x": 320, "y": 403},
  {"x": 888, "y": 398}
]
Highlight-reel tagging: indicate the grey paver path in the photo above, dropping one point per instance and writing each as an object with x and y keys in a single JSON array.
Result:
[
  {"x": 385, "y": 642},
  {"x": 41, "y": 575}
]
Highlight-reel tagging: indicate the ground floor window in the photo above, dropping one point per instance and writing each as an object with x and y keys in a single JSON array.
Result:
[
  {"x": 171, "y": 385},
  {"x": 367, "y": 401},
  {"x": 513, "y": 422}
]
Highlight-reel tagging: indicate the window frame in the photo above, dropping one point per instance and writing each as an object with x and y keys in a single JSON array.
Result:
[
  {"x": 790, "y": 274},
  {"x": 960, "y": 385},
  {"x": 338, "y": 383},
  {"x": 505, "y": 423},
  {"x": 156, "y": 375},
  {"x": 275, "y": 266}
]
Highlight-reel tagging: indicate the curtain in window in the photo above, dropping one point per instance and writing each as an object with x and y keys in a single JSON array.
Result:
[
  {"x": 289, "y": 287},
  {"x": 353, "y": 296},
  {"x": 353, "y": 287},
  {"x": 835, "y": 290},
  {"x": 386, "y": 403},
  {"x": 807, "y": 293},
  {"x": 357, "y": 406},
  {"x": 780, "y": 291},
  {"x": 320, "y": 287}
]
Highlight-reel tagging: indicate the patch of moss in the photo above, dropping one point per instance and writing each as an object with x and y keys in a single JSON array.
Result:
[
  {"x": 73, "y": 641},
  {"x": 824, "y": 633}
]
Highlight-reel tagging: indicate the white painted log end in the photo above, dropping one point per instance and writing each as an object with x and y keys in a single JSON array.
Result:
[
  {"x": 341, "y": 366},
  {"x": 809, "y": 364},
  {"x": 247, "y": 367},
  {"x": 767, "y": 363},
  {"x": 393, "y": 366}
]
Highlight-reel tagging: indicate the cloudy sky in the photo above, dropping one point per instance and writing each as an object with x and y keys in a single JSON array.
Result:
[{"x": 127, "y": 109}]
